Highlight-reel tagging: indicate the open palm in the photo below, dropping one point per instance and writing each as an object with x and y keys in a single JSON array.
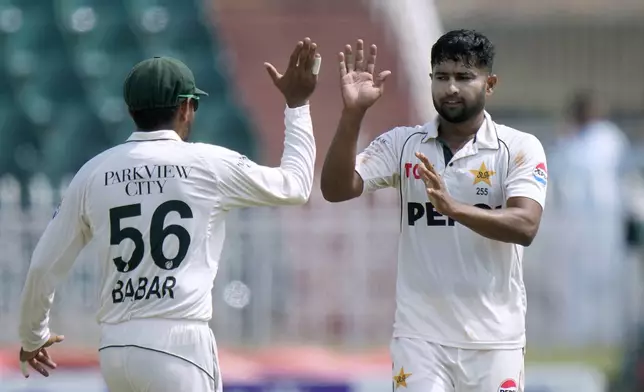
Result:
[{"x": 360, "y": 88}]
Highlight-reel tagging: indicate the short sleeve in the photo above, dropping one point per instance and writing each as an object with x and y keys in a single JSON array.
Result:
[
  {"x": 528, "y": 172},
  {"x": 378, "y": 163}
]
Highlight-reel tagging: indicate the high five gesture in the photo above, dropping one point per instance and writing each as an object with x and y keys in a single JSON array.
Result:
[
  {"x": 301, "y": 76},
  {"x": 361, "y": 88}
]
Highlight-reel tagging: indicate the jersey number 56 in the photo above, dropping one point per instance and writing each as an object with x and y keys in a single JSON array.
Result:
[{"x": 158, "y": 234}]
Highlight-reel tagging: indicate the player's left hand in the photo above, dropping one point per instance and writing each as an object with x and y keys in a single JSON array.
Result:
[
  {"x": 435, "y": 187},
  {"x": 39, "y": 358}
]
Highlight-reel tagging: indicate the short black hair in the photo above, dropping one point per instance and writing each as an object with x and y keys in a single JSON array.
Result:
[
  {"x": 154, "y": 119},
  {"x": 469, "y": 46}
]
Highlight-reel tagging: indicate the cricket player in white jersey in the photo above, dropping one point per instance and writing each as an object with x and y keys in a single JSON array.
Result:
[
  {"x": 472, "y": 193},
  {"x": 153, "y": 209}
]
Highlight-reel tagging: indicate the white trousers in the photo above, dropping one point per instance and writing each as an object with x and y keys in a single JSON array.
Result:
[
  {"x": 185, "y": 359},
  {"x": 420, "y": 366}
]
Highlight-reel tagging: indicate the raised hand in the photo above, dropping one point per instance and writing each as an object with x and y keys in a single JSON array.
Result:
[
  {"x": 360, "y": 87},
  {"x": 300, "y": 78}
]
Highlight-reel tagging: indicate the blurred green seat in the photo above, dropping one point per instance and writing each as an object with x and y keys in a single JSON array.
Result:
[
  {"x": 223, "y": 123},
  {"x": 153, "y": 14},
  {"x": 104, "y": 50},
  {"x": 77, "y": 136}
]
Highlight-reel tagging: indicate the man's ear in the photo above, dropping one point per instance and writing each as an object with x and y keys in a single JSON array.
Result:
[
  {"x": 184, "y": 110},
  {"x": 492, "y": 80}
]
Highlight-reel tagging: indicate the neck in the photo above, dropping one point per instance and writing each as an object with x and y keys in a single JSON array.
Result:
[{"x": 451, "y": 132}]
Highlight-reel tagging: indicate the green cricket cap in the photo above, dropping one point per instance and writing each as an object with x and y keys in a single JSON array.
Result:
[{"x": 159, "y": 82}]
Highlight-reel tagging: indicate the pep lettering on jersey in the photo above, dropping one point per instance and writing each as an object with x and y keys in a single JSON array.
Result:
[
  {"x": 416, "y": 211},
  {"x": 146, "y": 179}
]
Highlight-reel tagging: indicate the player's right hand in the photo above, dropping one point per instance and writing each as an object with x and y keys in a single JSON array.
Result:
[
  {"x": 360, "y": 87},
  {"x": 300, "y": 78},
  {"x": 39, "y": 358}
]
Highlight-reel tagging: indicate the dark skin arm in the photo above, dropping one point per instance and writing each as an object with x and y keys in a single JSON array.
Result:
[
  {"x": 360, "y": 88},
  {"x": 339, "y": 180},
  {"x": 518, "y": 223}
]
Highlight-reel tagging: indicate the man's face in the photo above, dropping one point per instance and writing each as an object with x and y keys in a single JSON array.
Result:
[{"x": 459, "y": 91}]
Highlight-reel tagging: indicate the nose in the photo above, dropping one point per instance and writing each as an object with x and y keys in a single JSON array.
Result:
[{"x": 451, "y": 88}]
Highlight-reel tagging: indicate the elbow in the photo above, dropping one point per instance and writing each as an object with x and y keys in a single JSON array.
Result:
[
  {"x": 333, "y": 193},
  {"x": 333, "y": 196},
  {"x": 330, "y": 196},
  {"x": 527, "y": 235},
  {"x": 525, "y": 240},
  {"x": 301, "y": 196},
  {"x": 300, "y": 199}
]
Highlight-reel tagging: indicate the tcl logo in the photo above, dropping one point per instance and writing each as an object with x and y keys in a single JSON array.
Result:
[{"x": 412, "y": 170}]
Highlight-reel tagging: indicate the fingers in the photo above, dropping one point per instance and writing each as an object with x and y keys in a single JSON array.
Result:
[
  {"x": 54, "y": 339},
  {"x": 44, "y": 358},
  {"x": 360, "y": 64},
  {"x": 38, "y": 367},
  {"x": 431, "y": 180},
  {"x": 342, "y": 64},
  {"x": 317, "y": 63},
  {"x": 380, "y": 79},
  {"x": 371, "y": 61},
  {"x": 272, "y": 72},
  {"x": 292, "y": 62},
  {"x": 428, "y": 172},
  {"x": 303, "y": 56},
  {"x": 423, "y": 159},
  {"x": 348, "y": 57},
  {"x": 310, "y": 54}
]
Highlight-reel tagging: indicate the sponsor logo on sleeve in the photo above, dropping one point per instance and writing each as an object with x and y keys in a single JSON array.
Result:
[{"x": 540, "y": 173}]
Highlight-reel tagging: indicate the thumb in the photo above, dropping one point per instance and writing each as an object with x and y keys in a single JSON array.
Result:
[
  {"x": 54, "y": 339},
  {"x": 380, "y": 79},
  {"x": 272, "y": 72}
]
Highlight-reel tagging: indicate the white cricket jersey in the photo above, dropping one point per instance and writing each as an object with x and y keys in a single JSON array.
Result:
[
  {"x": 153, "y": 209},
  {"x": 455, "y": 287}
]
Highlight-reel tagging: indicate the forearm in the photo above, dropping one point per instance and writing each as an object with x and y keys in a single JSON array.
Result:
[
  {"x": 339, "y": 181},
  {"x": 512, "y": 225},
  {"x": 298, "y": 158},
  {"x": 37, "y": 299}
]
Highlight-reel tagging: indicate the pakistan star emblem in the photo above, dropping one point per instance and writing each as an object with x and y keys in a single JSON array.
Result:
[
  {"x": 401, "y": 378},
  {"x": 482, "y": 175}
]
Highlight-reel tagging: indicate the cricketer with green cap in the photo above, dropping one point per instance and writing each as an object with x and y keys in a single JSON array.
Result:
[
  {"x": 154, "y": 91},
  {"x": 153, "y": 211}
]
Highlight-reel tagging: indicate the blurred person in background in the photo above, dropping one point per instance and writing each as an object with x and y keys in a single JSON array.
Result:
[
  {"x": 472, "y": 194},
  {"x": 589, "y": 159}
]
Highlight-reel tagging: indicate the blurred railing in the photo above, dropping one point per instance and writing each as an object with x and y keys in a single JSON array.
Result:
[{"x": 325, "y": 273}]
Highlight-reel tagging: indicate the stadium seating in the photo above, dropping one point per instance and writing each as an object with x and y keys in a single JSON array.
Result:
[{"x": 62, "y": 71}]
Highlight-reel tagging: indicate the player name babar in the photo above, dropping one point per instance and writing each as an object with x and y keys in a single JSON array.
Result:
[
  {"x": 146, "y": 179},
  {"x": 144, "y": 289}
]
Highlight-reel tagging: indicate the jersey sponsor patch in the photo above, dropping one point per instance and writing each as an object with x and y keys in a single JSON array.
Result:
[
  {"x": 243, "y": 162},
  {"x": 540, "y": 173},
  {"x": 508, "y": 385}
]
